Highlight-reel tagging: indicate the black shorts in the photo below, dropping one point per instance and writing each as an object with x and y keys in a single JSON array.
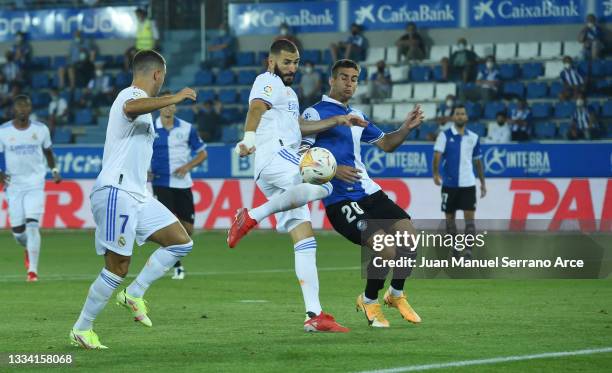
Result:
[
  {"x": 349, "y": 217},
  {"x": 178, "y": 201},
  {"x": 458, "y": 198}
]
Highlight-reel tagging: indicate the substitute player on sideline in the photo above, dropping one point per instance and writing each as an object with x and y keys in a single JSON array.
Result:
[
  {"x": 26, "y": 145},
  {"x": 175, "y": 141},
  {"x": 356, "y": 199},
  {"x": 273, "y": 131},
  {"x": 459, "y": 150},
  {"x": 123, "y": 210}
]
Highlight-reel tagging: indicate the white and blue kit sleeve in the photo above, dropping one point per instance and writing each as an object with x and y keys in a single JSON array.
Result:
[
  {"x": 310, "y": 114},
  {"x": 195, "y": 142},
  {"x": 371, "y": 133},
  {"x": 440, "y": 144},
  {"x": 265, "y": 89}
]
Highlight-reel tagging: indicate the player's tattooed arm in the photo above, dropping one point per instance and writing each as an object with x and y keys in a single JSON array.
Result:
[
  {"x": 48, "y": 152},
  {"x": 310, "y": 127},
  {"x": 436, "y": 168},
  {"x": 145, "y": 105},
  {"x": 393, "y": 140},
  {"x": 480, "y": 172}
]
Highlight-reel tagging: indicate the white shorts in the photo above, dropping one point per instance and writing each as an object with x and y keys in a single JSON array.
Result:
[
  {"x": 121, "y": 219},
  {"x": 25, "y": 204},
  {"x": 281, "y": 174}
]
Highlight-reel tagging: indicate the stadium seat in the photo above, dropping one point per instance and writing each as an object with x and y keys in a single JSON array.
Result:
[
  {"x": 606, "y": 109},
  {"x": 244, "y": 95},
  {"x": 423, "y": 91},
  {"x": 364, "y": 108},
  {"x": 445, "y": 89},
  {"x": 550, "y": 49},
  {"x": 227, "y": 96},
  {"x": 401, "y": 92},
  {"x": 541, "y": 110},
  {"x": 231, "y": 115},
  {"x": 374, "y": 55},
  {"x": 123, "y": 79},
  {"x": 62, "y": 136},
  {"x": 607, "y": 67},
  {"x": 382, "y": 112},
  {"x": 555, "y": 89},
  {"x": 528, "y": 50},
  {"x": 327, "y": 58},
  {"x": 205, "y": 95},
  {"x": 204, "y": 77},
  {"x": 572, "y": 49},
  {"x": 598, "y": 68},
  {"x": 505, "y": 51},
  {"x": 437, "y": 73},
  {"x": 484, "y": 49},
  {"x": 247, "y": 77},
  {"x": 312, "y": 55},
  {"x": 514, "y": 89},
  {"x": 532, "y": 70},
  {"x": 545, "y": 130},
  {"x": 563, "y": 129},
  {"x": 59, "y": 61},
  {"x": 427, "y": 129},
  {"x": 477, "y": 128},
  {"x": 230, "y": 133},
  {"x": 41, "y": 62},
  {"x": 595, "y": 107},
  {"x": 564, "y": 110},
  {"x": 83, "y": 117},
  {"x": 245, "y": 58},
  {"x": 186, "y": 114},
  {"x": 66, "y": 95},
  {"x": 40, "y": 99},
  {"x": 508, "y": 71},
  {"x": 429, "y": 110},
  {"x": 420, "y": 73},
  {"x": 401, "y": 111},
  {"x": 473, "y": 109},
  {"x": 363, "y": 74},
  {"x": 226, "y": 77},
  {"x": 40, "y": 81},
  {"x": 537, "y": 90},
  {"x": 391, "y": 54},
  {"x": 399, "y": 73},
  {"x": 552, "y": 69},
  {"x": 438, "y": 52},
  {"x": 492, "y": 108}
]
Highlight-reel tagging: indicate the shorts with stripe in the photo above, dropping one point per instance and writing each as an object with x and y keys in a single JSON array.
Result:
[{"x": 121, "y": 219}]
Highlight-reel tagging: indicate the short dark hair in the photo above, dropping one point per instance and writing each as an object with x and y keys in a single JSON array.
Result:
[
  {"x": 282, "y": 45},
  {"x": 341, "y": 64},
  {"x": 22, "y": 98},
  {"x": 458, "y": 106},
  {"x": 502, "y": 113},
  {"x": 146, "y": 59}
]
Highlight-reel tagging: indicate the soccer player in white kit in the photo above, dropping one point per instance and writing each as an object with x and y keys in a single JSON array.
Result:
[
  {"x": 26, "y": 145},
  {"x": 123, "y": 209},
  {"x": 273, "y": 131}
]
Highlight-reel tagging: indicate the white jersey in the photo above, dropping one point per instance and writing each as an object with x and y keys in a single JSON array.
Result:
[
  {"x": 23, "y": 152},
  {"x": 279, "y": 127},
  {"x": 128, "y": 148}
]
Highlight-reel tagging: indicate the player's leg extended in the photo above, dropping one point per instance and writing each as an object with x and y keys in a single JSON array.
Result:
[
  {"x": 179, "y": 270},
  {"x": 185, "y": 212},
  {"x": 17, "y": 215},
  {"x": 33, "y": 205}
]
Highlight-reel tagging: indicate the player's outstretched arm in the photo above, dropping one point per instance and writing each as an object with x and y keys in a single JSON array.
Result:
[
  {"x": 140, "y": 106},
  {"x": 392, "y": 140},
  {"x": 48, "y": 152},
  {"x": 257, "y": 109},
  {"x": 310, "y": 127}
]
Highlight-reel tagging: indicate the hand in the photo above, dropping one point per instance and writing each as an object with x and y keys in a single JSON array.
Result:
[
  {"x": 348, "y": 174},
  {"x": 483, "y": 190},
  {"x": 57, "y": 178},
  {"x": 437, "y": 179},
  {"x": 243, "y": 151},
  {"x": 185, "y": 94},
  {"x": 414, "y": 118},
  {"x": 350, "y": 120},
  {"x": 182, "y": 171},
  {"x": 4, "y": 178}
]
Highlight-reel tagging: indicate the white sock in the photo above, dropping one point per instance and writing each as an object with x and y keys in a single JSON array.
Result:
[
  {"x": 21, "y": 238},
  {"x": 99, "y": 294},
  {"x": 367, "y": 300},
  {"x": 306, "y": 271},
  {"x": 33, "y": 245},
  {"x": 395, "y": 292},
  {"x": 297, "y": 196},
  {"x": 158, "y": 264}
]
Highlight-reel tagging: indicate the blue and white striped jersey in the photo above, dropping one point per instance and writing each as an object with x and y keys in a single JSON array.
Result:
[{"x": 458, "y": 152}]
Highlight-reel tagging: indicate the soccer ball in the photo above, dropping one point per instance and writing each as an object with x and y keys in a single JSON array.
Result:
[{"x": 317, "y": 166}]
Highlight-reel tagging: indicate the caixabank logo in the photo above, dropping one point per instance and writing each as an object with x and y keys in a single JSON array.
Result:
[
  {"x": 524, "y": 12},
  {"x": 378, "y": 15}
]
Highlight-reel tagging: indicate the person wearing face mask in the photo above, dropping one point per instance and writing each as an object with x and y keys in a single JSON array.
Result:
[
  {"x": 591, "y": 38},
  {"x": 498, "y": 132},
  {"x": 310, "y": 85},
  {"x": 584, "y": 122},
  {"x": 411, "y": 46},
  {"x": 11, "y": 69},
  {"x": 520, "y": 120},
  {"x": 488, "y": 81},
  {"x": 81, "y": 49},
  {"x": 461, "y": 65},
  {"x": 380, "y": 82},
  {"x": 100, "y": 86},
  {"x": 354, "y": 48},
  {"x": 22, "y": 50},
  {"x": 221, "y": 49},
  {"x": 573, "y": 82},
  {"x": 284, "y": 32},
  {"x": 58, "y": 109}
]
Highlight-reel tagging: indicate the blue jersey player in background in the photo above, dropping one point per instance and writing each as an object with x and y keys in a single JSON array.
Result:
[
  {"x": 458, "y": 150},
  {"x": 175, "y": 141},
  {"x": 356, "y": 199}
]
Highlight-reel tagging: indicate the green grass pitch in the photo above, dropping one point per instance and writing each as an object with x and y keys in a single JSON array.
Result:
[{"x": 241, "y": 311}]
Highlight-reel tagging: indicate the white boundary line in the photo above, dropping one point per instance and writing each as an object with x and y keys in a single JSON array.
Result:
[{"x": 495, "y": 360}]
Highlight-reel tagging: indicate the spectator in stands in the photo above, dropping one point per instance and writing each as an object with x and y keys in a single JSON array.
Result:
[
  {"x": 221, "y": 49},
  {"x": 22, "y": 50},
  {"x": 520, "y": 119},
  {"x": 58, "y": 109},
  {"x": 488, "y": 81},
  {"x": 380, "y": 82},
  {"x": 4, "y": 88},
  {"x": 499, "y": 132},
  {"x": 147, "y": 34},
  {"x": 81, "y": 55},
  {"x": 410, "y": 46},
  {"x": 310, "y": 85},
  {"x": 11, "y": 69},
  {"x": 584, "y": 122},
  {"x": 209, "y": 120},
  {"x": 461, "y": 65},
  {"x": 354, "y": 48},
  {"x": 284, "y": 32},
  {"x": 444, "y": 116},
  {"x": 573, "y": 82},
  {"x": 101, "y": 86},
  {"x": 85, "y": 99},
  {"x": 591, "y": 38}
]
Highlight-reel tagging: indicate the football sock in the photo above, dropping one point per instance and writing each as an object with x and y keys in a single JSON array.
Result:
[
  {"x": 178, "y": 264},
  {"x": 367, "y": 300},
  {"x": 158, "y": 264},
  {"x": 297, "y": 196},
  {"x": 21, "y": 238},
  {"x": 396, "y": 292},
  {"x": 451, "y": 227},
  {"x": 33, "y": 244},
  {"x": 372, "y": 288},
  {"x": 306, "y": 271},
  {"x": 99, "y": 293},
  {"x": 470, "y": 226},
  {"x": 400, "y": 274}
]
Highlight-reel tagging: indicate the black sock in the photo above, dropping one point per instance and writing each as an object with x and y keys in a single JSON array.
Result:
[
  {"x": 373, "y": 286},
  {"x": 178, "y": 264}
]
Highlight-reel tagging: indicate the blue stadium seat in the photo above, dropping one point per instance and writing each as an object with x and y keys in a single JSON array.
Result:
[
  {"x": 563, "y": 129},
  {"x": 437, "y": 73},
  {"x": 363, "y": 74},
  {"x": 245, "y": 59},
  {"x": 607, "y": 67},
  {"x": 545, "y": 130},
  {"x": 83, "y": 117},
  {"x": 41, "y": 62},
  {"x": 40, "y": 99},
  {"x": 186, "y": 114},
  {"x": 262, "y": 55},
  {"x": 123, "y": 79},
  {"x": 478, "y": 128},
  {"x": 537, "y": 90},
  {"x": 541, "y": 110},
  {"x": 532, "y": 70},
  {"x": 229, "y": 133},
  {"x": 231, "y": 115},
  {"x": 327, "y": 58},
  {"x": 606, "y": 109},
  {"x": 413, "y": 135},
  {"x": 62, "y": 136},
  {"x": 247, "y": 77},
  {"x": 514, "y": 89},
  {"x": 227, "y": 96},
  {"x": 420, "y": 73},
  {"x": 205, "y": 95},
  {"x": 204, "y": 77},
  {"x": 426, "y": 129},
  {"x": 492, "y": 108},
  {"x": 602, "y": 84},
  {"x": 59, "y": 61},
  {"x": 595, "y": 107},
  {"x": 40, "y": 81},
  {"x": 564, "y": 110},
  {"x": 244, "y": 95},
  {"x": 312, "y": 55},
  {"x": 474, "y": 110},
  {"x": 107, "y": 59},
  {"x": 583, "y": 68},
  {"x": 508, "y": 71},
  {"x": 556, "y": 88},
  {"x": 66, "y": 95},
  {"x": 226, "y": 77}
]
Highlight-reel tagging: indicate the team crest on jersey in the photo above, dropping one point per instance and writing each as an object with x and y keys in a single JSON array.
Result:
[
  {"x": 121, "y": 241},
  {"x": 34, "y": 137},
  {"x": 362, "y": 225},
  {"x": 267, "y": 90}
]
